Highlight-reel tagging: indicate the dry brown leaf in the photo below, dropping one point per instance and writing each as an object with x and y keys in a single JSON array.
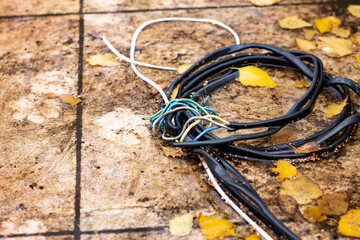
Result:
[
  {"x": 172, "y": 151},
  {"x": 335, "y": 109},
  {"x": 335, "y": 47},
  {"x": 264, "y": 2},
  {"x": 334, "y": 204},
  {"x": 349, "y": 224},
  {"x": 341, "y": 32},
  {"x": 255, "y": 77},
  {"x": 69, "y": 99},
  {"x": 302, "y": 189},
  {"x": 285, "y": 170},
  {"x": 293, "y": 22},
  {"x": 50, "y": 95},
  {"x": 181, "y": 69},
  {"x": 288, "y": 204},
  {"x": 310, "y": 33},
  {"x": 175, "y": 92},
  {"x": 214, "y": 227},
  {"x": 312, "y": 214},
  {"x": 305, "y": 45},
  {"x": 161, "y": 85},
  {"x": 308, "y": 148},
  {"x": 284, "y": 136},
  {"x": 355, "y": 38},
  {"x": 181, "y": 225},
  {"x": 358, "y": 60},
  {"x": 354, "y": 10},
  {"x": 106, "y": 59},
  {"x": 325, "y": 24},
  {"x": 302, "y": 83}
]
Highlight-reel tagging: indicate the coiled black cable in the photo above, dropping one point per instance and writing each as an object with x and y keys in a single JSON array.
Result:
[{"x": 215, "y": 71}]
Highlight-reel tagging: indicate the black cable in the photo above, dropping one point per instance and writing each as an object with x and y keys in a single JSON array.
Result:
[{"x": 215, "y": 71}]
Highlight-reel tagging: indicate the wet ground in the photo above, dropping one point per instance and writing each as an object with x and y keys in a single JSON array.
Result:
[{"x": 94, "y": 171}]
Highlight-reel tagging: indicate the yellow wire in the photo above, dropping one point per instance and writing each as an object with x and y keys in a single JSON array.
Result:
[{"x": 197, "y": 122}]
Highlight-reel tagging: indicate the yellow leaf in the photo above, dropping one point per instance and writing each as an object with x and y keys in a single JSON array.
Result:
[
  {"x": 107, "y": 59},
  {"x": 354, "y": 10},
  {"x": 253, "y": 236},
  {"x": 172, "y": 151},
  {"x": 264, "y": 2},
  {"x": 358, "y": 60},
  {"x": 181, "y": 69},
  {"x": 214, "y": 227},
  {"x": 308, "y": 148},
  {"x": 312, "y": 214},
  {"x": 175, "y": 92},
  {"x": 305, "y": 45},
  {"x": 335, "y": 109},
  {"x": 349, "y": 224},
  {"x": 310, "y": 33},
  {"x": 285, "y": 170},
  {"x": 181, "y": 225},
  {"x": 335, "y": 47},
  {"x": 355, "y": 38},
  {"x": 302, "y": 83},
  {"x": 50, "y": 95},
  {"x": 69, "y": 99},
  {"x": 255, "y": 77},
  {"x": 341, "y": 32},
  {"x": 293, "y": 22},
  {"x": 302, "y": 189},
  {"x": 325, "y": 24},
  {"x": 334, "y": 204}
]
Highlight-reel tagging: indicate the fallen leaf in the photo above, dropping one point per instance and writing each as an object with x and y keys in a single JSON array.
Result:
[
  {"x": 161, "y": 85},
  {"x": 310, "y": 33},
  {"x": 355, "y": 38},
  {"x": 305, "y": 45},
  {"x": 264, "y": 2},
  {"x": 358, "y": 60},
  {"x": 308, "y": 148},
  {"x": 69, "y": 99},
  {"x": 293, "y": 22},
  {"x": 181, "y": 225},
  {"x": 288, "y": 204},
  {"x": 302, "y": 83},
  {"x": 182, "y": 68},
  {"x": 255, "y": 77},
  {"x": 214, "y": 227},
  {"x": 175, "y": 92},
  {"x": 302, "y": 189},
  {"x": 50, "y": 95},
  {"x": 335, "y": 47},
  {"x": 172, "y": 151},
  {"x": 325, "y": 24},
  {"x": 312, "y": 214},
  {"x": 285, "y": 170},
  {"x": 284, "y": 136},
  {"x": 253, "y": 236},
  {"x": 354, "y": 10},
  {"x": 341, "y": 32},
  {"x": 106, "y": 59},
  {"x": 334, "y": 204},
  {"x": 335, "y": 109},
  {"x": 349, "y": 224}
]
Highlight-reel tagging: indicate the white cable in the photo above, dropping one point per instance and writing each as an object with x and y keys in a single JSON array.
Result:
[
  {"x": 133, "y": 44},
  {"x": 232, "y": 204}
]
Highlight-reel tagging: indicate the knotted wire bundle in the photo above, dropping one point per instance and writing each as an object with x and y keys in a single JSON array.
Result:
[{"x": 182, "y": 121}]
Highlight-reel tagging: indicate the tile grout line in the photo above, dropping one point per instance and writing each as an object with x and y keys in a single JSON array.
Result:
[
  {"x": 79, "y": 112},
  {"x": 164, "y": 9}
]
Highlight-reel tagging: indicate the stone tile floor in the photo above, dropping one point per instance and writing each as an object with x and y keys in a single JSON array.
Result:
[{"x": 94, "y": 171}]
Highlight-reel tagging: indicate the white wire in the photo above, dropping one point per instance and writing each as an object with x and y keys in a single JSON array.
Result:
[
  {"x": 133, "y": 44},
  {"x": 233, "y": 205}
]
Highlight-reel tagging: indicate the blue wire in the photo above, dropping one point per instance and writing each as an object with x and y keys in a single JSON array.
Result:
[{"x": 205, "y": 131}]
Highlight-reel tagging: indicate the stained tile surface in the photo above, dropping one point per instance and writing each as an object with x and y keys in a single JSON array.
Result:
[{"x": 128, "y": 188}]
